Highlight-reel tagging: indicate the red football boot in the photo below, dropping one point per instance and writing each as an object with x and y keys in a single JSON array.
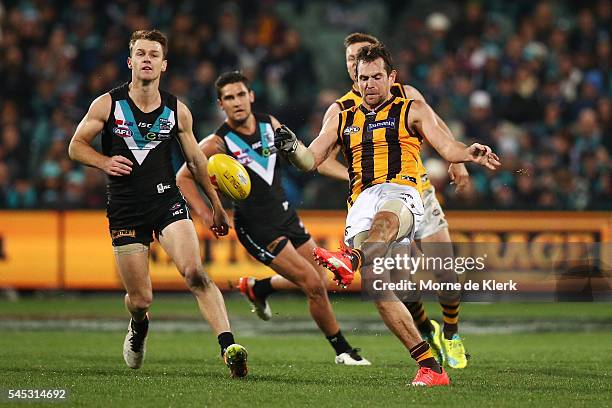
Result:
[
  {"x": 260, "y": 306},
  {"x": 338, "y": 262},
  {"x": 429, "y": 378}
]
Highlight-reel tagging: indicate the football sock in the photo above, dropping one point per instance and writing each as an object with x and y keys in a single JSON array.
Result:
[
  {"x": 450, "y": 312},
  {"x": 356, "y": 259},
  {"x": 421, "y": 320},
  {"x": 225, "y": 339},
  {"x": 339, "y": 343},
  {"x": 424, "y": 357},
  {"x": 141, "y": 327},
  {"x": 263, "y": 288}
]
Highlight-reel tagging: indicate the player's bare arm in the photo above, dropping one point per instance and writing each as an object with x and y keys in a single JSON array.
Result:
[
  {"x": 331, "y": 167},
  {"x": 210, "y": 145},
  {"x": 422, "y": 121},
  {"x": 413, "y": 93},
  {"x": 197, "y": 163},
  {"x": 308, "y": 158},
  {"x": 457, "y": 172},
  {"x": 91, "y": 125}
]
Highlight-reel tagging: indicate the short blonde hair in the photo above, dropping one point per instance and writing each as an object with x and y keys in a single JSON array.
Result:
[{"x": 151, "y": 35}]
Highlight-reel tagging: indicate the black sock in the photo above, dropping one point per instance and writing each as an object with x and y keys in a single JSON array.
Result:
[
  {"x": 141, "y": 327},
  {"x": 420, "y": 318},
  {"x": 225, "y": 339},
  {"x": 339, "y": 343},
  {"x": 424, "y": 358},
  {"x": 356, "y": 259},
  {"x": 263, "y": 288},
  {"x": 450, "y": 315}
]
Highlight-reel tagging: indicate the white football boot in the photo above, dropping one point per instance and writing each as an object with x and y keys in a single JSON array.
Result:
[
  {"x": 135, "y": 345},
  {"x": 352, "y": 358}
]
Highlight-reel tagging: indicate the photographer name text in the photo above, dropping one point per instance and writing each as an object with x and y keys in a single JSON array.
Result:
[{"x": 470, "y": 286}]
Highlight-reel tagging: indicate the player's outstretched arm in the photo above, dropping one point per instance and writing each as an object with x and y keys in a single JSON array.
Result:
[
  {"x": 185, "y": 181},
  {"x": 197, "y": 163},
  {"x": 80, "y": 148},
  {"x": 330, "y": 166},
  {"x": 307, "y": 158},
  {"x": 422, "y": 120},
  {"x": 456, "y": 171}
]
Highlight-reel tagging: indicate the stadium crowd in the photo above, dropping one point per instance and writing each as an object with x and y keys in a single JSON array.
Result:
[{"x": 532, "y": 79}]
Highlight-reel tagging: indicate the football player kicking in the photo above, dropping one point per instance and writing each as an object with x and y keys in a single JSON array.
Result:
[
  {"x": 381, "y": 140},
  {"x": 432, "y": 235},
  {"x": 266, "y": 225}
]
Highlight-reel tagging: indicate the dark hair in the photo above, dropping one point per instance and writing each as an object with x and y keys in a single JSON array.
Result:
[
  {"x": 151, "y": 35},
  {"x": 371, "y": 53},
  {"x": 355, "y": 38},
  {"x": 231, "y": 77}
]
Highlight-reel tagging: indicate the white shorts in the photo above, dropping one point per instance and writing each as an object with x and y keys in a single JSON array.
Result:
[
  {"x": 369, "y": 202},
  {"x": 434, "y": 220}
]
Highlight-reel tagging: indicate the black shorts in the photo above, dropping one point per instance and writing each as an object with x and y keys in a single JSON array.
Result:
[
  {"x": 260, "y": 236},
  {"x": 135, "y": 222}
]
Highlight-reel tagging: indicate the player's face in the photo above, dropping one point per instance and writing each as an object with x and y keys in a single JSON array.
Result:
[
  {"x": 147, "y": 60},
  {"x": 374, "y": 83},
  {"x": 351, "y": 55},
  {"x": 236, "y": 101}
]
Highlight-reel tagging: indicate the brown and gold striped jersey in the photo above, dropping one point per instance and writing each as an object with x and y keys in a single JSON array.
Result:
[
  {"x": 353, "y": 98},
  {"x": 379, "y": 147}
]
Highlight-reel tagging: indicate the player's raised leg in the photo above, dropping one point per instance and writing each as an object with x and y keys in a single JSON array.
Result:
[
  {"x": 132, "y": 264},
  {"x": 393, "y": 222},
  {"x": 179, "y": 240}
]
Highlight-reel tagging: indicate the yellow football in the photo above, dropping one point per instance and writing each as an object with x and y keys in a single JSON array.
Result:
[{"x": 229, "y": 176}]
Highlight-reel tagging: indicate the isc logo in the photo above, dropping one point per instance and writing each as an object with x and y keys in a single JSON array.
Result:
[{"x": 161, "y": 187}]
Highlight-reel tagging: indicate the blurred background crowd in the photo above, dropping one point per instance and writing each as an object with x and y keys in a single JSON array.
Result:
[{"x": 530, "y": 78}]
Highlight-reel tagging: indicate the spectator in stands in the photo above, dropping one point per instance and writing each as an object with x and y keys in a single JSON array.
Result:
[{"x": 533, "y": 79}]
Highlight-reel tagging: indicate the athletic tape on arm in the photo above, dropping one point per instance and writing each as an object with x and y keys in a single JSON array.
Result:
[{"x": 302, "y": 158}]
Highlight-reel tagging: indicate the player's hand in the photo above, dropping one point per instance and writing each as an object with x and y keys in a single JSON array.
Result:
[
  {"x": 459, "y": 176},
  {"x": 206, "y": 218},
  {"x": 285, "y": 140},
  {"x": 483, "y": 155},
  {"x": 117, "y": 166},
  {"x": 220, "y": 222}
]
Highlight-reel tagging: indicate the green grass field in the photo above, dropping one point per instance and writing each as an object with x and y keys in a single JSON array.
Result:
[{"x": 530, "y": 368}]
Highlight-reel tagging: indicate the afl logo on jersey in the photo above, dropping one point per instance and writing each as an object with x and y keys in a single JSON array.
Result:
[
  {"x": 122, "y": 132},
  {"x": 121, "y": 128},
  {"x": 351, "y": 129},
  {"x": 242, "y": 157}
]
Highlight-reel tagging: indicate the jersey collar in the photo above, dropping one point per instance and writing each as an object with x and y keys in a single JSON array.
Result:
[{"x": 378, "y": 108}]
